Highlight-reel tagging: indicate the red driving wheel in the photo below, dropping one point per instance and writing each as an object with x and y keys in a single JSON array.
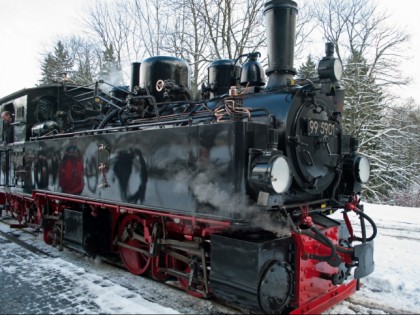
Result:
[
  {"x": 136, "y": 262},
  {"x": 181, "y": 266}
]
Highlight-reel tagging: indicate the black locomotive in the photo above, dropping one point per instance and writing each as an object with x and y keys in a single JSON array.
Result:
[{"x": 228, "y": 192}]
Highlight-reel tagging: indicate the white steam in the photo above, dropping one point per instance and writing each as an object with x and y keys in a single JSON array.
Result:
[
  {"x": 112, "y": 76},
  {"x": 210, "y": 192}
]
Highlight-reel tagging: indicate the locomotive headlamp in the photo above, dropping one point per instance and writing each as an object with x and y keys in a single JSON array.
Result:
[
  {"x": 330, "y": 69},
  {"x": 362, "y": 169},
  {"x": 280, "y": 175},
  {"x": 356, "y": 171},
  {"x": 272, "y": 174}
]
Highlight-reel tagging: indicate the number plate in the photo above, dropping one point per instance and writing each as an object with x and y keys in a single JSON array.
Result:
[{"x": 317, "y": 127}]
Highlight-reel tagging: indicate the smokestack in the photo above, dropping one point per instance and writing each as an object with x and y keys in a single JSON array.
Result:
[
  {"x": 135, "y": 75},
  {"x": 281, "y": 27}
]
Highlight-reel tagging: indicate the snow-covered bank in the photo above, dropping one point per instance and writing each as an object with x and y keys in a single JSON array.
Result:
[{"x": 394, "y": 285}]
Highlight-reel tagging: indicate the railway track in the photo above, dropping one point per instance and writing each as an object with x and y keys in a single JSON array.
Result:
[
  {"x": 375, "y": 307},
  {"x": 23, "y": 244}
]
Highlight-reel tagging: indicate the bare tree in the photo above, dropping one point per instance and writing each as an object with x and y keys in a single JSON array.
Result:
[
  {"x": 110, "y": 24},
  {"x": 196, "y": 30},
  {"x": 234, "y": 26},
  {"x": 85, "y": 54},
  {"x": 356, "y": 27},
  {"x": 151, "y": 19},
  {"x": 306, "y": 24},
  {"x": 187, "y": 38},
  {"x": 202, "y": 30},
  {"x": 214, "y": 29}
]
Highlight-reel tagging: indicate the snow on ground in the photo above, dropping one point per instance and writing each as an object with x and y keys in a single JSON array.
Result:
[
  {"x": 93, "y": 286},
  {"x": 105, "y": 293},
  {"x": 394, "y": 285},
  {"x": 392, "y": 288},
  {"x": 79, "y": 290}
]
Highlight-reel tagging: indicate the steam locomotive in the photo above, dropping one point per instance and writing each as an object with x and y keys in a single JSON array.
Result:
[{"x": 229, "y": 192}]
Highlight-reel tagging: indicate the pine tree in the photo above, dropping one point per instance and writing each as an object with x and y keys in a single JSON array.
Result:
[
  {"x": 83, "y": 74},
  {"x": 308, "y": 70},
  {"x": 386, "y": 135},
  {"x": 110, "y": 69},
  {"x": 364, "y": 119},
  {"x": 56, "y": 66}
]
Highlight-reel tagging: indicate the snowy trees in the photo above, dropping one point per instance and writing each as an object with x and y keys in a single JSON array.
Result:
[
  {"x": 74, "y": 59},
  {"x": 308, "y": 69},
  {"x": 403, "y": 142},
  {"x": 370, "y": 49},
  {"x": 56, "y": 65}
]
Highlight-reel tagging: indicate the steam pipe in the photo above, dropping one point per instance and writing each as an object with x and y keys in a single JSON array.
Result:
[
  {"x": 135, "y": 75},
  {"x": 281, "y": 27}
]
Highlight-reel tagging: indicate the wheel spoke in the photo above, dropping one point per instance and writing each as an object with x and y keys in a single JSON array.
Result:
[
  {"x": 135, "y": 261},
  {"x": 184, "y": 282}
]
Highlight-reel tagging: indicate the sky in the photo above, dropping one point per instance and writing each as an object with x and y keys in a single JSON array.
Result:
[
  {"x": 28, "y": 26},
  {"x": 97, "y": 288}
]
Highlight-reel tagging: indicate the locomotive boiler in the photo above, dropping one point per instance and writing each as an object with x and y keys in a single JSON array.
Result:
[{"x": 229, "y": 193}]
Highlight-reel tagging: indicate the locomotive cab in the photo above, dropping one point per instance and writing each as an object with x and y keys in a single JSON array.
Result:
[
  {"x": 6, "y": 129},
  {"x": 15, "y": 129}
]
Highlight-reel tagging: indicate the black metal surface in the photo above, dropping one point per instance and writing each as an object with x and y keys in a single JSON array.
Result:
[
  {"x": 87, "y": 230},
  {"x": 239, "y": 269},
  {"x": 135, "y": 75},
  {"x": 70, "y": 106},
  {"x": 273, "y": 296},
  {"x": 252, "y": 73},
  {"x": 281, "y": 25},
  {"x": 163, "y": 68},
  {"x": 186, "y": 169},
  {"x": 73, "y": 223},
  {"x": 222, "y": 74},
  {"x": 207, "y": 163}
]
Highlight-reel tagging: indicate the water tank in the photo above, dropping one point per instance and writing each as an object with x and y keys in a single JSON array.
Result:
[
  {"x": 222, "y": 74},
  {"x": 163, "y": 68}
]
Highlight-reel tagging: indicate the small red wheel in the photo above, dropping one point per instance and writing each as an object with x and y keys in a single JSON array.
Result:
[
  {"x": 156, "y": 264},
  {"x": 48, "y": 231},
  {"x": 181, "y": 266},
  {"x": 136, "y": 262},
  {"x": 38, "y": 216}
]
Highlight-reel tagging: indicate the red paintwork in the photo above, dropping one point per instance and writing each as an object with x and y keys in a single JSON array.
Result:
[
  {"x": 188, "y": 226},
  {"x": 118, "y": 210},
  {"x": 18, "y": 206},
  {"x": 136, "y": 263},
  {"x": 328, "y": 299},
  {"x": 314, "y": 290}
]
